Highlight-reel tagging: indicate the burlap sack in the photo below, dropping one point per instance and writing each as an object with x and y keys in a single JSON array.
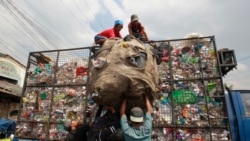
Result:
[{"x": 123, "y": 68}]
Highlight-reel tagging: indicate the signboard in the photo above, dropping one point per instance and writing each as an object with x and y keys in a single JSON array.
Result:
[{"x": 8, "y": 70}]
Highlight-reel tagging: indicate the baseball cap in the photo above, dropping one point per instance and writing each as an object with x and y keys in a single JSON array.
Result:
[
  {"x": 120, "y": 22},
  {"x": 134, "y": 17},
  {"x": 136, "y": 114}
]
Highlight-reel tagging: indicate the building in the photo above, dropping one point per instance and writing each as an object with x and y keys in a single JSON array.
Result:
[{"x": 12, "y": 75}]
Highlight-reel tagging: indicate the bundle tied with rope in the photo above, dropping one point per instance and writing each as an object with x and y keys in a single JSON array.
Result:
[{"x": 123, "y": 68}]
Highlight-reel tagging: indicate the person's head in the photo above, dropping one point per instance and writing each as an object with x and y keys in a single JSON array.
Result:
[
  {"x": 118, "y": 25},
  {"x": 136, "y": 116},
  {"x": 134, "y": 18}
]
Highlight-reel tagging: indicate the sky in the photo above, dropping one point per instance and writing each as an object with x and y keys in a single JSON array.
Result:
[{"x": 37, "y": 25}]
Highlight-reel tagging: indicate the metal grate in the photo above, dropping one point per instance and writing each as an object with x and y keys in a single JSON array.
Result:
[{"x": 190, "y": 105}]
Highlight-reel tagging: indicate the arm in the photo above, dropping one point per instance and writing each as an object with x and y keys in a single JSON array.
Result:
[
  {"x": 123, "y": 107},
  {"x": 129, "y": 29},
  {"x": 148, "y": 118},
  {"x": 123, "y": 118},
  {"x": 148, "y": 105},
  {"x": 119, "y": 35},
  {"x": 144, "y": 32}
]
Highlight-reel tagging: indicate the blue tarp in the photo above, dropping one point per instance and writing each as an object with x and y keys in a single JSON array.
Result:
[{"x": 7, "y": 127}]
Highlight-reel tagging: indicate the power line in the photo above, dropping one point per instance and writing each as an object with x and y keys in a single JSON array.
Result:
[
  {"x": 48, "y": 22},
  {"x": 6, "y": 33},
  {"x": 93, "y": 14},
  {"x": 10, "y": 47},
  {"x": 11, "y": 51},
  {"x": 34, "y": 37},
  {"x": 75, "y": 17},
  {"x": 83, "y": 14},
  {"x": 33, "y": 24},
  {"x": 18, "y": 29}
]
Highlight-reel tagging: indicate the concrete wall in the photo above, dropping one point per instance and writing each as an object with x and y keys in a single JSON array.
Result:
[{"x": 6, "y": 107}]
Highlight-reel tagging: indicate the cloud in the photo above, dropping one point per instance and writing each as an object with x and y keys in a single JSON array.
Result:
[
  {"x": 69, "y": 24},
  {"x": 238, "y": 78}
]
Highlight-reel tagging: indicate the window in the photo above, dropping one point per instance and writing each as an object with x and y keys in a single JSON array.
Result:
[{"x": 246, "y": 103}]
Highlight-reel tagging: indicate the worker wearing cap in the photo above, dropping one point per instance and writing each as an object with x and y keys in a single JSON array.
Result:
[
  {"x": 109, "y": 33},
  {"x": 140, "y": 128},
  {"x": 136, "y": 29}
]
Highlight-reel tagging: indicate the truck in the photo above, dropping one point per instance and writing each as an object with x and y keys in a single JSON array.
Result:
[
  {"x": 238, "y": 106},
  {"x": 189, "y": 100}
]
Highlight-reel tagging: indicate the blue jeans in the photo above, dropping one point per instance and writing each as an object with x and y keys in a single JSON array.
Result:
[{"x": 98, "y": 37}]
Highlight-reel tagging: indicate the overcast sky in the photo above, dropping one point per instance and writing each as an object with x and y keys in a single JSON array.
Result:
[{"x": 37, "y": 25}]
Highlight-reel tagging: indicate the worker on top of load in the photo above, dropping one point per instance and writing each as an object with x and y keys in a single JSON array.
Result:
[
  {"x": 136, "y": 29},
  {"x": 109, "y": 33}
]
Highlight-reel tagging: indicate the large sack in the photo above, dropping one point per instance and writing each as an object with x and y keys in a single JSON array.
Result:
[{"x": 123, "y": 68}]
